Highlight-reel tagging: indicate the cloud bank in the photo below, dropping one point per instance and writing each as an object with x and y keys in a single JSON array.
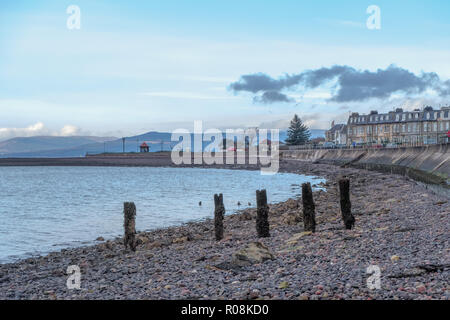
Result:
[
  {"x": 350, "y": 84},
  {"x": 38, "y": 129}
]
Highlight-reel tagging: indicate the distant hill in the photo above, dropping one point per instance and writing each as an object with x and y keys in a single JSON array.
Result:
[
  {"x": 80, "y": 146},
  {"x": 47, "y": 143}
]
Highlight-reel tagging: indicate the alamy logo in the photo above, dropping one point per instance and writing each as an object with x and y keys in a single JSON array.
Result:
[
  {"x": 374, "y": 281},
  {"x": 237, "y": 146},
  {"x": 74, "y": 20},
  {"x": 74, "y": 280},
  {"x": 374, "y": 20}
]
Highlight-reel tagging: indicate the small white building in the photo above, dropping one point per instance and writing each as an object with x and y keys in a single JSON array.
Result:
[{"x": 337, "y": 134}]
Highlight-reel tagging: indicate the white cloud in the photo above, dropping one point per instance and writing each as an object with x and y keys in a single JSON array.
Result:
[
  {"x": 69, "y": 130},
  {"x": 32, "y": 130},
  {"x": 38, "y": 129}
]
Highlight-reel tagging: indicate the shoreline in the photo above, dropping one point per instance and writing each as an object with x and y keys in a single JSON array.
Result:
[
  {"x": 184, "y": 262},
  {"x": 73, "y": 244}
]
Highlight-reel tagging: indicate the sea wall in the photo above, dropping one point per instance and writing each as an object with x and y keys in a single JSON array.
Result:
[{"x": 428, "y": 164}]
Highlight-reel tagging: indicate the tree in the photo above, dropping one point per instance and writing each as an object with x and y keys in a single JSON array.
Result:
[{"x": 298, "y": 133}]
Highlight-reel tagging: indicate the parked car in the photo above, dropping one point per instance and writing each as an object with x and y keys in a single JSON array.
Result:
[{"x": 329, "y": 144}]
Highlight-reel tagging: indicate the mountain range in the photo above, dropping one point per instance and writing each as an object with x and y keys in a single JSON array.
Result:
[{"x": 79, "y": 146}]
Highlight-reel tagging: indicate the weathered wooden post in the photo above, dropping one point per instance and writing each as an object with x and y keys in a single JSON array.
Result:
[
  {"x": 262, "y": 214},
  {"x": 346, "y": 206},
  {"x": 129, "y": 240},
  {"x": 219, "y": 212},
  {"x": 309, "y": 208}
]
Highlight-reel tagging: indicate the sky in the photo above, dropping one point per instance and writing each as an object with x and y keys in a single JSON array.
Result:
[{"x": 138, "y": 66}]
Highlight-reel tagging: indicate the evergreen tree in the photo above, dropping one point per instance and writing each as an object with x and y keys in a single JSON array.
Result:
[{"x": 298, "y": 133}]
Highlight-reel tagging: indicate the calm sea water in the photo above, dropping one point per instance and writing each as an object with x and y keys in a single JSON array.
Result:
[{"x": 44, "y": 209}]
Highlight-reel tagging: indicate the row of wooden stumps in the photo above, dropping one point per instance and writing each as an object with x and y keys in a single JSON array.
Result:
[
  {"x": 309, "y": 215},
  {"x": 262, "y": 213},
  {"x": 309, "y": 208}
]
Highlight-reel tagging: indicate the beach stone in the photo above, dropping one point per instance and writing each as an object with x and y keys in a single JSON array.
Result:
[
  {"x": 142, "y": 239},
  {"x": 153, "y": 245},
  {"x": 254, "y": 294},
  {"x": 100, "y": 239},
  {"x": 245, "y": 216},
  {"x": 293, "y": 240},
  {"x": 421, "y": 289},
  {"x": 253, "y": 253},
  {"x": 181, "y": 239},
  {"x": 291, "y": 218},
  {"x": 292, "y": 204}
]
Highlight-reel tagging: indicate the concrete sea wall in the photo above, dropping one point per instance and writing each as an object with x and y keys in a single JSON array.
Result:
[{"x": 428, "y": 164}]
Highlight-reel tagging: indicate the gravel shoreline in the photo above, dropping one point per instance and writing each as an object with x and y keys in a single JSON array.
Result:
[{"x": 400, "y": 226}]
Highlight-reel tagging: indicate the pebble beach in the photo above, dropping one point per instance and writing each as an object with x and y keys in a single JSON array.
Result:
[{"x": 401, "y": 227}]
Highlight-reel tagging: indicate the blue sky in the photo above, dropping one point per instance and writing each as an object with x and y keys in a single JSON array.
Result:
[{"x": 136, "y": 66}]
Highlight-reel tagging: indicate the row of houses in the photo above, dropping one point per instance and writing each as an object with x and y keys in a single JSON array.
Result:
[{"x": 426, "y": 126}]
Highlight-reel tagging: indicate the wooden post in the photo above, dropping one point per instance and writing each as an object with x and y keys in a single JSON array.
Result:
[
  {"x": 262, "y": 214},
  {"x": 346, "y": 206},
  {"x": 309, "y": 213},
  {"x": 219, "y": 212},
  {"x": 129, "y": 240}
]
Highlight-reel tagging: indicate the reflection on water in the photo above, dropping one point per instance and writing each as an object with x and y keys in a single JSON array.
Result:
[{"x": 44, "y": 209}]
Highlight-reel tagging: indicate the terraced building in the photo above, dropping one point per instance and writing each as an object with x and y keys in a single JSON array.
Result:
[{"x": 418, "y": 127}]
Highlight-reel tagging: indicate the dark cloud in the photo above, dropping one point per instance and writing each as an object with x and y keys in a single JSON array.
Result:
[
  {"x": 357, "y": 86},
  {"x": 262, "y": 82},
  {"x": 272, "y": 96},
  {"x": 351, "y": 84},
  {"x": 444, "y": 89}
]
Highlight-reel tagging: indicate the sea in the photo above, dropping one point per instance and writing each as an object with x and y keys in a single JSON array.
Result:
[{"x": 45, "y": 209}]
